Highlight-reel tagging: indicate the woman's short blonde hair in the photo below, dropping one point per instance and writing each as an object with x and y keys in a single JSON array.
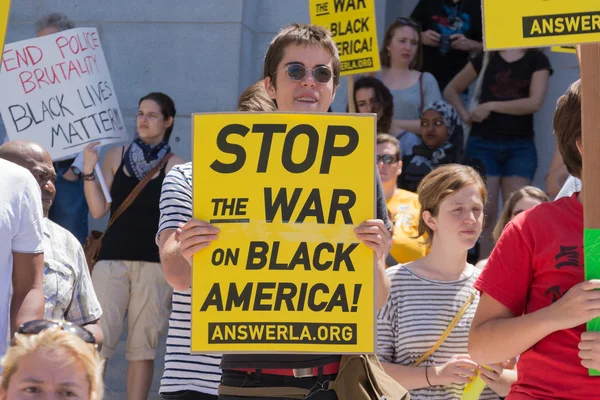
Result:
[
  {"x": 441, "y": 183},
  {"x": 57, "y": 341},
  {"x": 509, "y": 207}
]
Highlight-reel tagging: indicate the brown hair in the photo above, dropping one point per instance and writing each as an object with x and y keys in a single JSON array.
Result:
[
  {"x": 383, "y": 95},
  {"x": 385, "y": 138},
  {"x": 567, "y": 128},
  {"x": 384, "y": 55},
  {"x": 63, "y": 344},
  {"x": 441, "y": 183},
  {"x": 509, "y": 207},
  {"x": 301, "y": 34},
  {"x": 256, "y": 98}
]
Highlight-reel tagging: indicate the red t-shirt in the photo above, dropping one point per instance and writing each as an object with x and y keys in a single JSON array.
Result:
[{"x": 537, "y": 259}]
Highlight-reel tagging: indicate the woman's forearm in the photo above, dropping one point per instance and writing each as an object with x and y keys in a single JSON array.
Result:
[
  {"x": 409, "y": 377},
  {"x": 524, "y": 106},
  {"x": 453, "y": 97},
  {"x": 95, "y": 198},
  {"x": 505, "y": 338}
]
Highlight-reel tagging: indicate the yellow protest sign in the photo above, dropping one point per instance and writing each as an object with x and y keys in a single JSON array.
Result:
[
  {"x": 539, "y": 23},
  {"x": 4, "y": 11},
  {"x": 564, "y": 49},
  {"x": 352, "y": 24},
  {"x": 287, "y": 273}
]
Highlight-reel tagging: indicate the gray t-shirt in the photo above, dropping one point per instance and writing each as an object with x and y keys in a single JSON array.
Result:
[{"x": 408, "y": 104}]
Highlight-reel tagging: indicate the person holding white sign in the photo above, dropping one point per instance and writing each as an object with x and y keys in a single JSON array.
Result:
[{"x": 128, "y": 277}]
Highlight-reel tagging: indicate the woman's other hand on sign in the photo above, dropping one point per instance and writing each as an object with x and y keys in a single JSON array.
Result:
[
  {"x": 589, "y": 350},
  {"x": 194, "y": 236},
  {"x": 375, "y": 235},
  {"x": 499, "y": 376},
  {"x": 90, "y": 157},
  {"x": 430, "y": 38}
]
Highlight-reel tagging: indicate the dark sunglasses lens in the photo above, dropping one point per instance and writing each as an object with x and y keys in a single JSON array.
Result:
[
  {"x": 386, "y": 158},
  {"x": 322, "y": 74},
  {"x": 35, "y": 327},
  {"x": 296, "y": 72}
]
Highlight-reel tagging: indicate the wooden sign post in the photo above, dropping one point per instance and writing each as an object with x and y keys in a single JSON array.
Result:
[
  {"x": 539, "y": 23},
  {"x": 590, "y": 127}
]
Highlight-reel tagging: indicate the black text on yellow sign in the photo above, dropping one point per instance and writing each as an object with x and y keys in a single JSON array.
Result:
[
  {"x": 353, "y": 26},
  {"x": 286, "y": 191},
  {"x": 540, "y": 23},
  {"x": 561, "y": 24}
]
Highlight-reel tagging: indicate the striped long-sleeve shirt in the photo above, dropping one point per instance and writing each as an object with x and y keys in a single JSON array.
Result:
[
  {"x": 183, "y": 371},
  {"x": 416, "y": 314}
]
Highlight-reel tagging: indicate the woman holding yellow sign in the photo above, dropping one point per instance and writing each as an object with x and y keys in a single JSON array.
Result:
[{"x": 423, "y": 328}]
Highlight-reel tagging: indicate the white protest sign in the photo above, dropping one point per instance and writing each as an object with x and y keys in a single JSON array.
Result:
[{"x": 57, "y": 92}]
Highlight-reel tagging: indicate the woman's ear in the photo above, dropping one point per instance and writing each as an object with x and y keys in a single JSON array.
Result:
[
  {"x": 169, "y": 122},
  {"x": 430, "y": 220}
]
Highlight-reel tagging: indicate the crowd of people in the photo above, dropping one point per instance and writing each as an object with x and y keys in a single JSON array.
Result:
[{"x": 515, "y": 320}]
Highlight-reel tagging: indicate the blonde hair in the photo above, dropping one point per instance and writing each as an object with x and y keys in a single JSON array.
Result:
[
  {"x": 509, "y": 207},
  {"x": 441, "y": 183},
  {"x": 256, "y": 98},
  {"x": 55, "y": 340}
]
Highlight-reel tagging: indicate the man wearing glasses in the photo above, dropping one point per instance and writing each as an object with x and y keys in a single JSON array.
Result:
[{"x": 301, "y": 72}]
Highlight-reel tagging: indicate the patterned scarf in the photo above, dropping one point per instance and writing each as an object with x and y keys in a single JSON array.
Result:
[
  {"x": 425, "y": 159},
  {"x": 140, "y": 158}
]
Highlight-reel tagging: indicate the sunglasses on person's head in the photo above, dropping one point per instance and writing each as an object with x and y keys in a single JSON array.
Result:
[
  {"x": 407, "y": 22},
  {"x": 297, "y": 72},
  {"x": 386, "y": 159},
  {"x": 37, "y": 326}
]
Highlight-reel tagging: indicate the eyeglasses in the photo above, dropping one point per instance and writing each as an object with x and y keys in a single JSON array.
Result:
[
  {"x": 37, "y": 326},
  {"x": 408, "y": 22},
  {"x": 387, "y": 159},
  {"x": 297, "y": 72}
]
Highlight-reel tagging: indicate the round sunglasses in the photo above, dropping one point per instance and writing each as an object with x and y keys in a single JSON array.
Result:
[{"x": 297, "y": 72}]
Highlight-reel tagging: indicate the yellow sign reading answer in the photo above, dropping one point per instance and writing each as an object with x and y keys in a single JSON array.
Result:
[
  {"x": 287, "y": 273},
  {"x": 352, "y": 24},
  {"x": 539, "y": 23},
  {"x": 4, "y": 11}
]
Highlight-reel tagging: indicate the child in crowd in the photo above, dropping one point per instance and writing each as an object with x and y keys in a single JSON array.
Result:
[
  {"x": 442, "y": 135},
  {"x": 402, "y": 205},
  {"x": 535, "y": 301},
  {"x": 433, "y": 297},
  {"x": 401, "y": 58}
]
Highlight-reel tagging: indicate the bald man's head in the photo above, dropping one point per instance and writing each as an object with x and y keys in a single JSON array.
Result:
[{"x": 33, "y": 157}]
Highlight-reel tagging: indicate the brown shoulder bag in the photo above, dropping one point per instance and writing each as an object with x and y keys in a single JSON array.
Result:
[{"x": 93, "y": 242}]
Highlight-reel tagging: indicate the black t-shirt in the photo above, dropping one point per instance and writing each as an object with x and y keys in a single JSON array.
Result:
[
  {"x": 447, "y": 18},
  {"x": 288, "y": 361},
  {"x": 504, "y": 81}
]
